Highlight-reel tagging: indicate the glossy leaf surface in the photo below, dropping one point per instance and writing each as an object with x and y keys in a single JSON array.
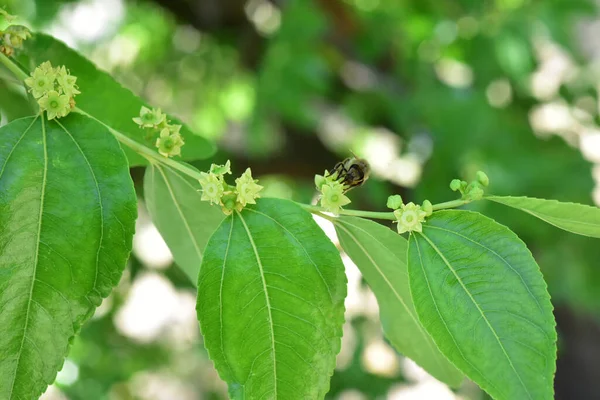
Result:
[
  {"x": 380, "y": 254},
  {"x": 576, "y": 218},
  {"x": 67, "y": 217},
  {"x": 271, "y": 303},
  {"x": 481, "y": 296}
]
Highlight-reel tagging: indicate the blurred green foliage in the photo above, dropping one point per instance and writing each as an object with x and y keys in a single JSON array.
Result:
[{"x": 292, "y": 86}]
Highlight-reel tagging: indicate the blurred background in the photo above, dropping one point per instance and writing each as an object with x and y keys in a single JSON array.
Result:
[{"x": 426, "y": 90}]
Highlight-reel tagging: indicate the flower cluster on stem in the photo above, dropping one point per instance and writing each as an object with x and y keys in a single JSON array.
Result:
[
  {"x": 153, "y": 121},
  {"x": 13, "y": 36},
  {"x": 230, "y": 198},
  {"x": 332, "y": 190},
  {"x": 471, "y": 191},
  {"x": 54, "y": 89}
]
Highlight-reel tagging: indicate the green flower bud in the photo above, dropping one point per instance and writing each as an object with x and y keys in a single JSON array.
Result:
[
  {"x": 482, "y": 178},
  {"x": 230, "y": 203},
  {"x": 394, "y": 202},
  {"x": 427, "y": 207},
  {"x": 455, "y": 185},
  {"x": 475, "y": 193}
]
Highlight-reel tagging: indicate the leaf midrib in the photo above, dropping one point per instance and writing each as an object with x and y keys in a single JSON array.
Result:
[
  {"x": 100, "y": 203},
  {"x": 264, "y": 283},
  {"x": 494, "y": 253},
  {"x": 36, "y": 259},
  {"x": 441, "y": 255}
]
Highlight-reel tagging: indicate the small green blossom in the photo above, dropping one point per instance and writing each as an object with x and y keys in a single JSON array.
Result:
[
  {"x": 482, "y": 178},
  {"x": 332, "y": 197},
  {"x": 394, "y": 202},
  {"x": 47, "y": 84},
  {"x": 66, "y": 82},
  {"x": 41, "y": 82},
  {"x": 427, "y": 207},
  {"x": 55, "y": 104},
  {"x": 247, "y": 188},
  {"x": 212, "y": 188},
  {"x": 221, "y": 169},
  {"x": 409, "y": 218},
  {"x": 15, "y": 35},
  {"x": 150, "y": 118},
  {"x": 168, "y": 144}
]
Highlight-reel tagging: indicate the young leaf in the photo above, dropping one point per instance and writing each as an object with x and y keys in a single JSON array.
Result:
[
  {"x": 67, "y": 216},
  {"x": 576, "y": 218},
  {"x": 106, "y": 100},
  {"x": 185, "y": 222},
  {"x": 271, "y": 303},
  {"x": 380, "y": 254},
  {"x": 481, "y": 296}
]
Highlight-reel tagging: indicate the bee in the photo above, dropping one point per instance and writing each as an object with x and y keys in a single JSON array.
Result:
[{"x": 352, "y": 172}]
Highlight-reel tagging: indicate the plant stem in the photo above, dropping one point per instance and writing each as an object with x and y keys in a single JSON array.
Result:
[
  {"x": 13, "y": 67},
  {"x": 145, "y": 151},
  {"x": 381, "y": 215},
  {"x": 152, "y": 155},
  {"x": 450, "y": 204},
  {"x": 356, "y": 213}
]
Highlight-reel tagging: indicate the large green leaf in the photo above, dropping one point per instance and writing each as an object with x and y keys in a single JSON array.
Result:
[
  {"x": 576, "y": 218},
  {"x": 105, "y": 99},
  {"x": 380, "y": 254},
  {"x": 185, "y": 222},
  {"x": 481, "y": 296},
  {"x": 67, "y": 217},
  {"x": 271, "y": 303}
]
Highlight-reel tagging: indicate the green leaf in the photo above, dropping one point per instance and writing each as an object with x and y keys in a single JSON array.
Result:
[
  {"x": 271, "y": 303},
  {"x": 185, "y": 222},
  {"x": 481, "y": 296},
  {"x": 67, "y": 217},
  {"x": 105, "y": 99},
  {"x": 380, "y": 254},
  {"x": 576, "y": 218}
]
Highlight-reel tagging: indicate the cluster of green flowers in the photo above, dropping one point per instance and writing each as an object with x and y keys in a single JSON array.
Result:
[
  {"x": 471, "y": 191},
  {"x": 409, "y": 217},
  {"x": 169, "y": 141},
  {"x": 230, "y": 198},
  {"x": 332, "y": 192},
  {"x": 12, "y": 37},
  {"x": 54, "y": 89}
]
